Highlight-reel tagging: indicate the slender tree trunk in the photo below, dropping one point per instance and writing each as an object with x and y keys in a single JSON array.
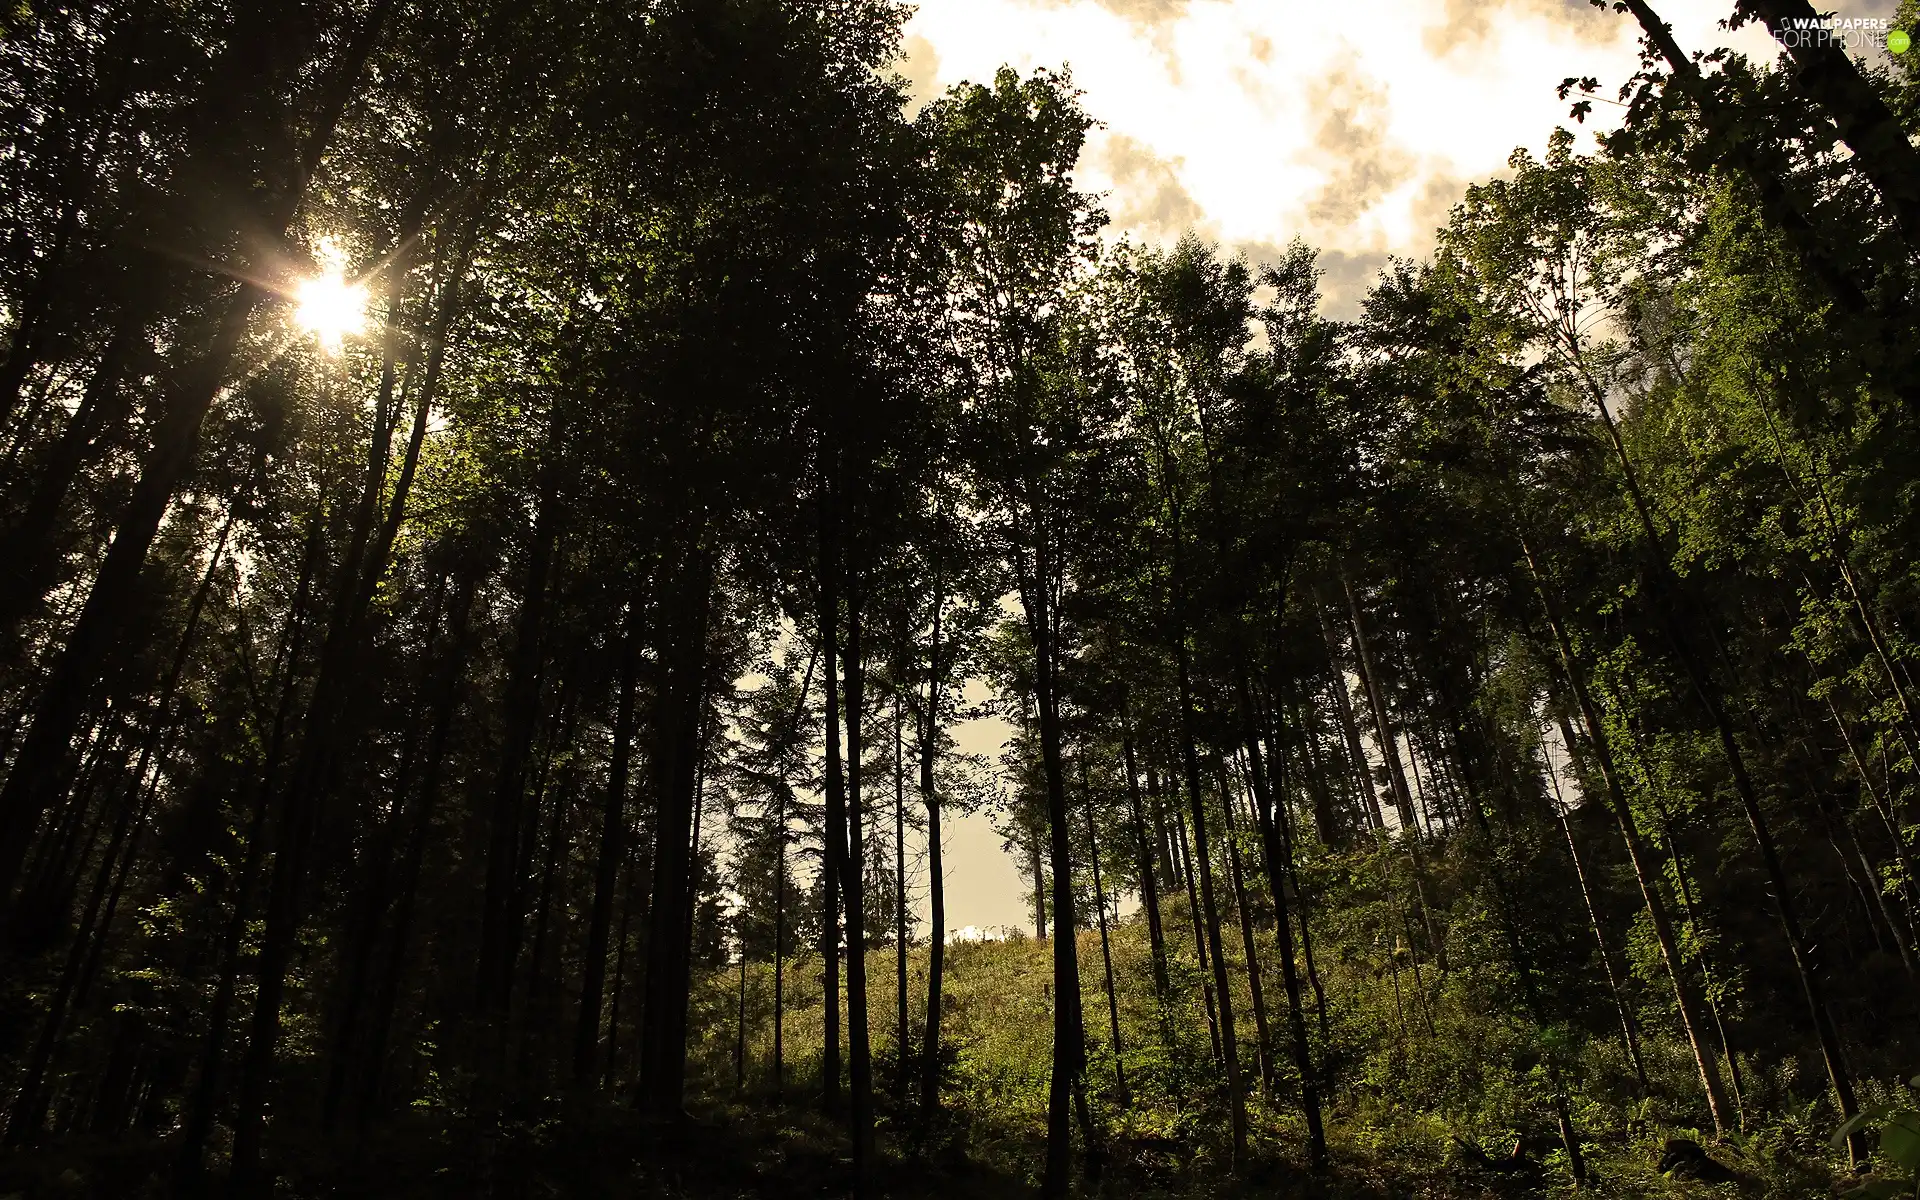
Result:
[
  {"x": 613, "y": 851},
  {"x": 1277, "y": 777},
  {"x": 507, "y": 814},
  {"x": 1879, "y": 143},
  {"x": 197, "y": 1121},
  {"x": 1149, "y": 887},
  {"x": 936, "y": 873},
  {"x": 541, "y": 1017},
  {"x": 899, "y": 902},
  {"x": 1901, "y": 941},
  {"x": 663, "y": 1022},
  {"x": 834, "y": 851},
  {"x": 1895, "y": 835},
  {"x": 622, "y": 943},
  {"x": 1279, "y": 861},
  {"x": 1645, "y": 872},
  {"x": 853, "y": 885},
  {"x": 1343, "y": 707},
  {"x": 740, "y": 1030},
  {"x": 1106, "y": 949},
  {"x": 419, "y": 830},
  {"x": 1628, "y": 1033},
  {"x": 1389, "y": 742},
  {"x": 271, "y": 53},
  {"x": 1675, "y": 608},
  {"x": 1039, "y": 871},
  {"x": 1629, "y": 1036},
  {"x": 1383, "y": 727},
  {"x": 369, "y": 907},
  {"x": 1199, "y": 936},
  {"x": 1706, "y": 971},
  {"x": 780, "y": 944},
  {"x": 1229, "y": 1044},
  {"x": 1325, "y": 823},
  {"x": 1518, "y": 956},
  {"x": 1069, "y": 1047},
  {"x": 1263, "y": 1043}
]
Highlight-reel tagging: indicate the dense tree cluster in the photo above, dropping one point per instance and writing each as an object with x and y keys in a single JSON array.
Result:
[{"x": 434, "y": 722}]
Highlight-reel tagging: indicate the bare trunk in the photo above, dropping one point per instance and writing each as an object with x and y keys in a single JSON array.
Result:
[
  {"x": 936, "y": 874},
  {"x": 1069, "y": 1049},
  {"x": 1106, "y": 949},
  {"x": 663, "y": 1020},
  {"x": 1629, "y": 1036},
  {"x": 1229, "y": 1044},
  {"x": 1263, "y": 1036},
  {"x": 854, "y": 892},
  {"x": 1148, "y": 868},
  {"x": 613, "y": 851},
  {"x": 1645, "y": 871},
  {"x": 1279, "y": 861}
]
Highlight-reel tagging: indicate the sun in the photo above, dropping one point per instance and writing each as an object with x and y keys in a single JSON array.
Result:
[{"x": 328, "y": 305}]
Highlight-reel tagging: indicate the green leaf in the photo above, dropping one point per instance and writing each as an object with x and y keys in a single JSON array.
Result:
[
  {"x": 1856, "y": 1122},
  {"x": 1900, "y": 1139}
]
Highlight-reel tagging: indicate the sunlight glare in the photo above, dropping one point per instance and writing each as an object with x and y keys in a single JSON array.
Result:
[{"x": 328, "y": 305}]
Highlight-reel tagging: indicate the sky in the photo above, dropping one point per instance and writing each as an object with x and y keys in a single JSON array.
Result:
[{"x": 1354, "y": 125}]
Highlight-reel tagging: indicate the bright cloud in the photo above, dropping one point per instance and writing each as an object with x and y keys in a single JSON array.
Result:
[{"x": 1354, "y": 125}]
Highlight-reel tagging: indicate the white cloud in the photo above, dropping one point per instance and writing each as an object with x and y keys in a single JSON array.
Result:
[{"x": 1352, "y": 125}]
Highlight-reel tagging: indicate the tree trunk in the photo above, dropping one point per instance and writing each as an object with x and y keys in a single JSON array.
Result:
[
  {"x": 1328, "y": 826},
  {"x": 613, "y": 851},
  {"x": 854, "y": 894},
  {"x": 1039, "y": 871},
  {"x": 682, "y": 699},
  {"x": 936, "y": 874},
  {"x": 780, "y": 944},
  {"x": 1909, "y": 884},
  {"x": 1263, "y": 1036},
  {"x": 1644, "y": 870},
  {"x": 271, "y": 53},
  {"x": 1520, "y": 959},
  {"x": 1706, "y": 971},
  {"x": 1880, "y": 145},
  {"x": 1199, "y": 936},
  {"x": 1149, "y": 888},
  {"x": 899, "y": 903},
  {"x": 740, "y": 1030},
  {"x": 1106, "y": 949},
  {"x": 507, "y": 811},
  {"x": 1038, "y": 580},
  {"x": 1343, "y": 707},
  {"x": 1383, "y": 727},
  {"x": 833, "y": 851},
  {"x": 198, "y": 1117},
  {"x": 537, "y": 1047},
  {"x": 1279, "y": 860},
  {"x": 419, "y": 829},
  {"x": 1674, "y": 609},
  {"x": 1628, "y": 1035},
  {"x": 1229, "y": 1044}
]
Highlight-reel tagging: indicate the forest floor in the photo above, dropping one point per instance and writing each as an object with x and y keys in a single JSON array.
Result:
[
  {"x": 1168, "y": 1141},
  {"x": 797, "y": 1154}
]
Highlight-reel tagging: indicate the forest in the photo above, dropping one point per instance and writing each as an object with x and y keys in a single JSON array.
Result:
[{"x": 505, "y": 505}]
